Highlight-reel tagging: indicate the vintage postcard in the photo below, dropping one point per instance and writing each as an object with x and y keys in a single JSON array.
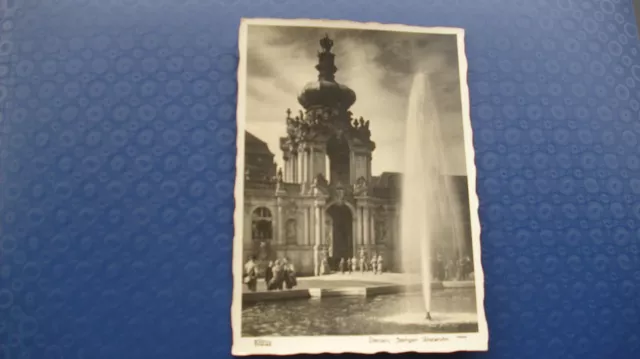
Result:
[{"x": 356, "y": 223}]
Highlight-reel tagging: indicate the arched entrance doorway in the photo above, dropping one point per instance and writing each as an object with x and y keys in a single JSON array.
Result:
[{"x": 342, "y": 232}]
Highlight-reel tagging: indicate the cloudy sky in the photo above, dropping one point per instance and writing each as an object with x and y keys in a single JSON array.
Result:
[{"x": 378, "y": 66}]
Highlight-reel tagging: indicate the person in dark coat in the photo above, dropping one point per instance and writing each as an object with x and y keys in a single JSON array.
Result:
[
  {"x": 268, "y": 274},
  {"x": 278, "y": 276},
  {"x": 290, "y": 275}
]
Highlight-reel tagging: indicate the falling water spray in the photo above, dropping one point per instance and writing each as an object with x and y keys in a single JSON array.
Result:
[{"x": 424, "y": 191}]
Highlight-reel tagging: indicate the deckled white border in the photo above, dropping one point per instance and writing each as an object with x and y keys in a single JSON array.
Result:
[{"x": 427, "y": 343}]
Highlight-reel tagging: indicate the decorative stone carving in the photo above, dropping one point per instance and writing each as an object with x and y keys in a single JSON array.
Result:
[
  {"x": 291, "y": 209},
  {"x": 361, "y": 187},
  {"x": 291, "y": 231},
  {"x": 320, "y": 186},
  {"x": 380, "y": 225},
  {"x": 280, "y": 183},
  {"x": 339, "y": 193}
]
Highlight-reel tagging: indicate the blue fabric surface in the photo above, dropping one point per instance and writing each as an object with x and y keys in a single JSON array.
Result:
[{"x": 117, "y": 158}]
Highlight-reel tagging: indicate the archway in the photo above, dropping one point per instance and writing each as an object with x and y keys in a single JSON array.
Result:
[{"x": 342, "y": 232}]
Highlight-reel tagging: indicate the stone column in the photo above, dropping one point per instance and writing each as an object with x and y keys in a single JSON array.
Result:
[
  {"x": 354, "y": 235},
  {"x": 358, "y": 239},
  {"x": 372, "y": 228},
  {"x": 323, "y": 235},
  {"x": 321, "y": 166},
  {"x": 293, "y": 159},
  {"x": 305, "y": 166},
  {"x": 309, "y": 239},
  {"x": 287, "y": 173},
  {"x": 317, "y": 239},
  {"x": 299, "y": 165},
  {"x": 307, "y": 227},
  {"x": 365, "y": 225},
  {"x": 352, "y": 167},
  {"x": 311, "y": 168},
  {"x": 280, "y": 222}
]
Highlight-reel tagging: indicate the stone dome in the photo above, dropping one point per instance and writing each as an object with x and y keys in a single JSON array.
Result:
[{"x": 326, "y": 93}]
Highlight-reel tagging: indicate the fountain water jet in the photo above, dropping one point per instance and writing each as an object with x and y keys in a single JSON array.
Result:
[{"x": 427, "y": 196}]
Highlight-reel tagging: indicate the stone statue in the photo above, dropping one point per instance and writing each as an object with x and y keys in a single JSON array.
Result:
[
  {"x": 319, "y": 180},
  {"x": 291, "y": 231},
  {"x": 304, "y": 128},
  {"x": 279, "y": 176},
  {"x": 361, "y": 186},
  {"x": 289, "y": 119},
  {"x": 292, "y": 208},
  {"x": 326, "y": 43},
  {"x": 367, "y": 132}
]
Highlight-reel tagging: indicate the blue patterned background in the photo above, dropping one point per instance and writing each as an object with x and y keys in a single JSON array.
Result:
[{"x": 117, "y": 157}]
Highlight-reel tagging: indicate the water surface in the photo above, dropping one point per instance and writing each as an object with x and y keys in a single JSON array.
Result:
[{"x": 355, "y": 315}]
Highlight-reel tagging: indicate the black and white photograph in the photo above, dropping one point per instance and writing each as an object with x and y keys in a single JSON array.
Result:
[{"x": 356, "y": 222}]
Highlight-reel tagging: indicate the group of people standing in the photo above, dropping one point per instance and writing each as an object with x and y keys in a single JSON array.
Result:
[
  {"x": 363, "y": 264},
  {"x": 453, "y": 269},
  {"x": 278, "y": 274}
]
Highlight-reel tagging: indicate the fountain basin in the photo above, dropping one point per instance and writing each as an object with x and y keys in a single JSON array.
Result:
[
  {"x": 363, "y": 291},
  {"x": 453, "y": 311}
]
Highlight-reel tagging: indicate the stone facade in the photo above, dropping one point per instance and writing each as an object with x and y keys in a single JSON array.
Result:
[{"x": 324, "y": 201}]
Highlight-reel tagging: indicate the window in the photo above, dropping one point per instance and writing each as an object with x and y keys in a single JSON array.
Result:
[{"x": 262, "y": 224}]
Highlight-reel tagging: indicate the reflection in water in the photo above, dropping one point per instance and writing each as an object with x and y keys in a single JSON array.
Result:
[{"x": 355, "y": 315}]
